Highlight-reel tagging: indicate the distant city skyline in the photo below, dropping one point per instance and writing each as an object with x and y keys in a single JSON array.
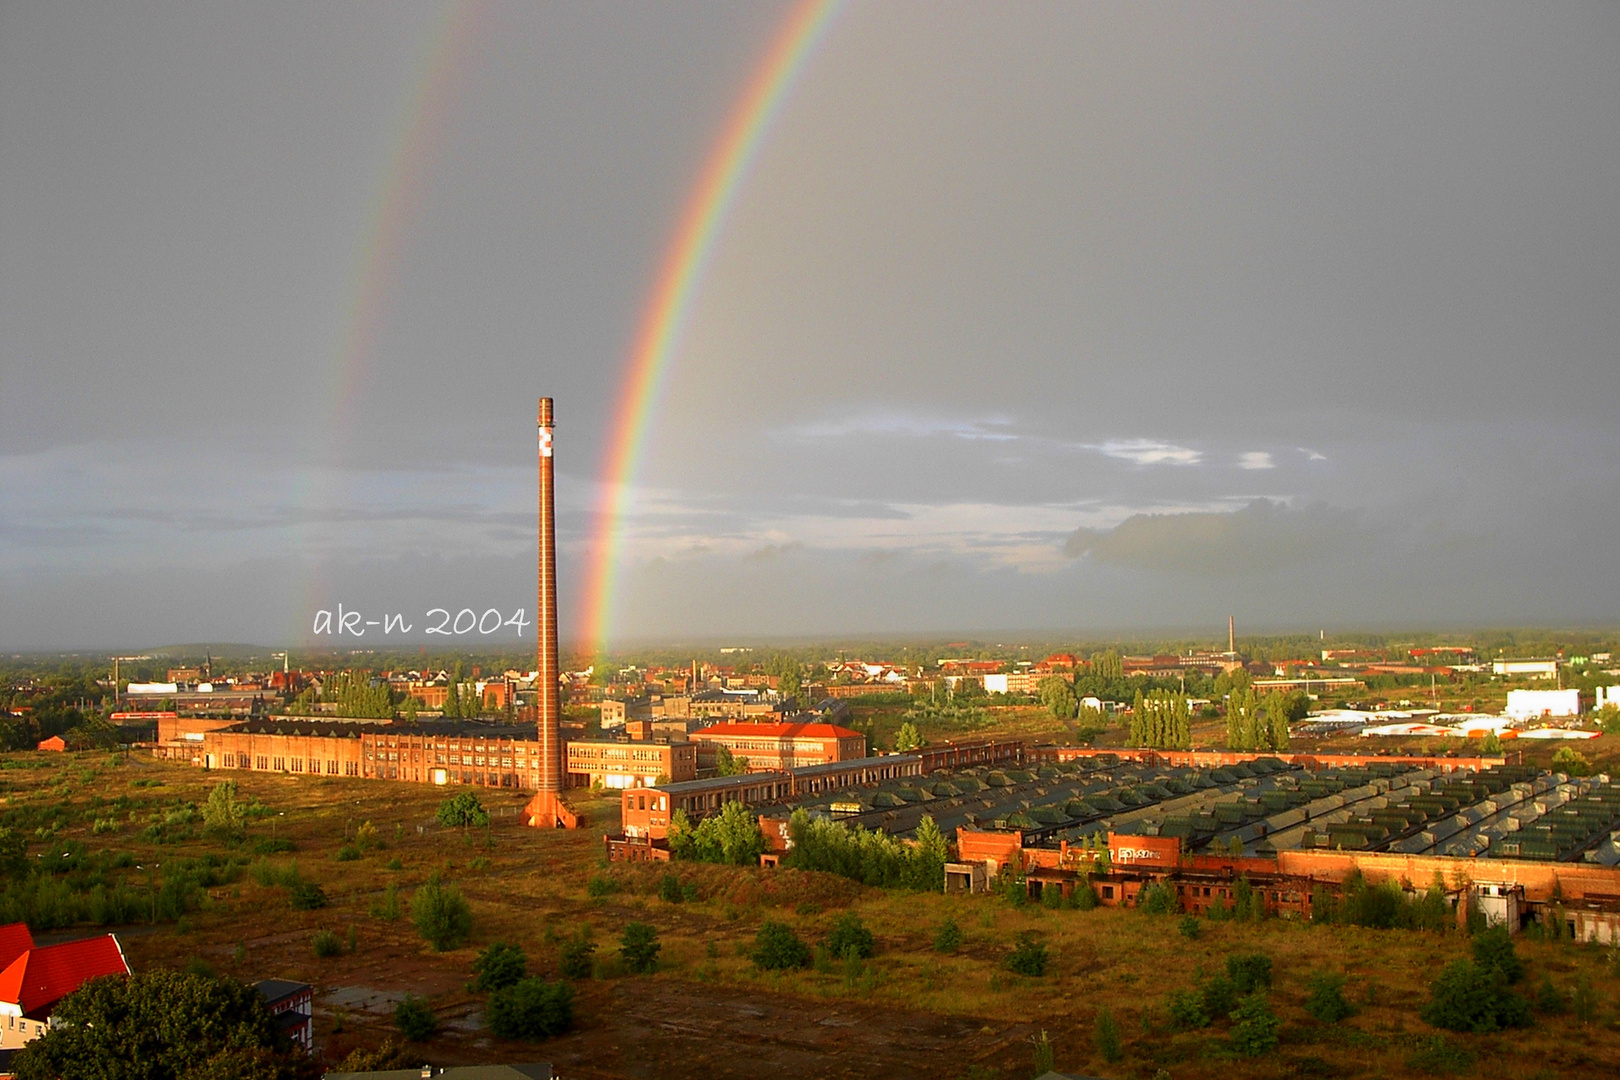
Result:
[{"x": 1041, "y": 319}]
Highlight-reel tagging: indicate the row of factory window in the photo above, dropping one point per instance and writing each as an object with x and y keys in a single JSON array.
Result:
[
  {"x": 284, "y": 764},
  {"x": 439, "y": 759},
  {"x": 617, "y": 753},
  {"x": 480, "y": 746}
]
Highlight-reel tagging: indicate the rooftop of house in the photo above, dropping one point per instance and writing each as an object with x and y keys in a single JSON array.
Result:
[
  {"x": 779, "y": 731},
  {"x": 277, "y": 990},
  {"x": 40, "y": 977}
]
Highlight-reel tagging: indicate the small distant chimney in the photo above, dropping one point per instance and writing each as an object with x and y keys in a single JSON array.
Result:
[{"x": 1231, "y": 635}]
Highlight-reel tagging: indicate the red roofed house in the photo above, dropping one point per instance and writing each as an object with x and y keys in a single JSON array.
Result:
[
  {"x": 55, "y": 742},
  {"x": 770, "y": 747},
  {"x": 35, "y": 979}
]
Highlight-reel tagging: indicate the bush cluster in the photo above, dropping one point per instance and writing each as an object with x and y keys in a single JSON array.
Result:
[
  {"x": 869, "y": 856},
  {"x": 532, "y": 1009},
  {"x": 778, "y": 948}
]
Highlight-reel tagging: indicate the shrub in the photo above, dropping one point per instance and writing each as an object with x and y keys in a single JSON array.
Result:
[
  {"x": 1571, "y": 761},
  {"x": 415, "y": 1019},
  {"x": 274, "y": 845},
  {"x": 1189, "y": 927},
  {"x": 1186, "y": 1008},
  {"x": 669, "y": 889},
  {"x": 1157, "y": 899},
  {"x": 393, "y": 864},
  {"x": 1440, "y": 1055},
  {"x": 638, "y": 947},
  {"x": 1468, "y": 997},
  {"x": 1045, "y": 1053},
  {"x": 499, "y": 966},
  {"x": 850, "y": 934},
  {"x": 441, "y": 914},
  {"x": 306, "y": 896},
  {"x": 600, "y": 885},
  {"x": 1219, "y": 996},
  {"x": 532, "y": 1009},
  {"x": 1326, "y": 1002},
  {"x": 1254, "y": 1026},
  {"x": 948, "y": 938},
  {"x": 366, "y": 838},
  {"x": 1084, "y": 896},
  {"x": 387, "y": 906},
  {"x": 1550, "y": 999},
  {"x": 326, "y": 944},
  {"x": 1105, "y": 1033},
  {"x": 348, "y": 853},
  {"x": 1249, "y": 971},
  {"x": 777, "y": 948},
  {"x": 1493, "y": 952},
  {"x": 574, "y": 958},
  {"x": 1028, "y": 957},
  {"x": 1583, "y": 1002}
]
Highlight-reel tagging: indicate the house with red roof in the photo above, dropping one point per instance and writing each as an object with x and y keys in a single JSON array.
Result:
[
  {"x": 34, "y": 978},
  {"x": 55, "y": 742}
]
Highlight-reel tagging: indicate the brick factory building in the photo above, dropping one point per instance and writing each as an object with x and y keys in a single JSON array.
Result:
[
  {"x": 439, "y": 752},
  {"x": 779, "y": 746},
  {"x": 616, "y": 763}
]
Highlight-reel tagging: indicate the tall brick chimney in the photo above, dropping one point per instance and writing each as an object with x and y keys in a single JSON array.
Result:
[{"x": 546, "y": 809}]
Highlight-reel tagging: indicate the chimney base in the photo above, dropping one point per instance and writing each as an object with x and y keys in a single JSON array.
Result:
[{"x": 548, "y": 811}]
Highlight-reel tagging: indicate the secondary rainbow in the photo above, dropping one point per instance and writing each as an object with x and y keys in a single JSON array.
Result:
[
  {"x": 448, "y": 48},
  {"x": 664, "y": 321}
]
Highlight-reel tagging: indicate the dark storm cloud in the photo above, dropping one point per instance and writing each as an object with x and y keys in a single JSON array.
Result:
[
  {"x": 1263, "y": 537},
  {"x": 1300, "y": 311}
]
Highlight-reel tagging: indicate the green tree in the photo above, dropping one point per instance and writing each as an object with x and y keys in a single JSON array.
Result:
[
  {"x": 162, "y": 1024},
  {"x": 1494, "y": 952},
  {"x": 441, "y": 915},
  {"x": 908, "y": 738},
  {"x": 1058, "y": 696},
  {"x": 788, "y": 674},
  {"x": 638, "y": 947},
  {"x": 532, "y": 1009},
  {"x": 1107, "y": 665},
  {"x": 499, "y": 966},
  {"x": 731, "y": 836},
  {"x": 223, "y": 816},
  {"x": 728, "y": 764},
  {"x": 462, "y": 811}
]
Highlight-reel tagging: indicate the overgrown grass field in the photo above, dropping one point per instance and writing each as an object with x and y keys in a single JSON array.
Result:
[{"x": 180, "y": 894}]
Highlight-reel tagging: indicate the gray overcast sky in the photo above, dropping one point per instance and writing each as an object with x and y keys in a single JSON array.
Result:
[{"x": 1036, "y": 316}]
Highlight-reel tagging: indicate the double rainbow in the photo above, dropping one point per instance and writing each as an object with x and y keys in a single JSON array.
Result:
[{"x": 666, "y": 317}]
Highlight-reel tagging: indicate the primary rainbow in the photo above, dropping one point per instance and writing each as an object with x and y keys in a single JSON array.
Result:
[{"x": 666, "y": 316}]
